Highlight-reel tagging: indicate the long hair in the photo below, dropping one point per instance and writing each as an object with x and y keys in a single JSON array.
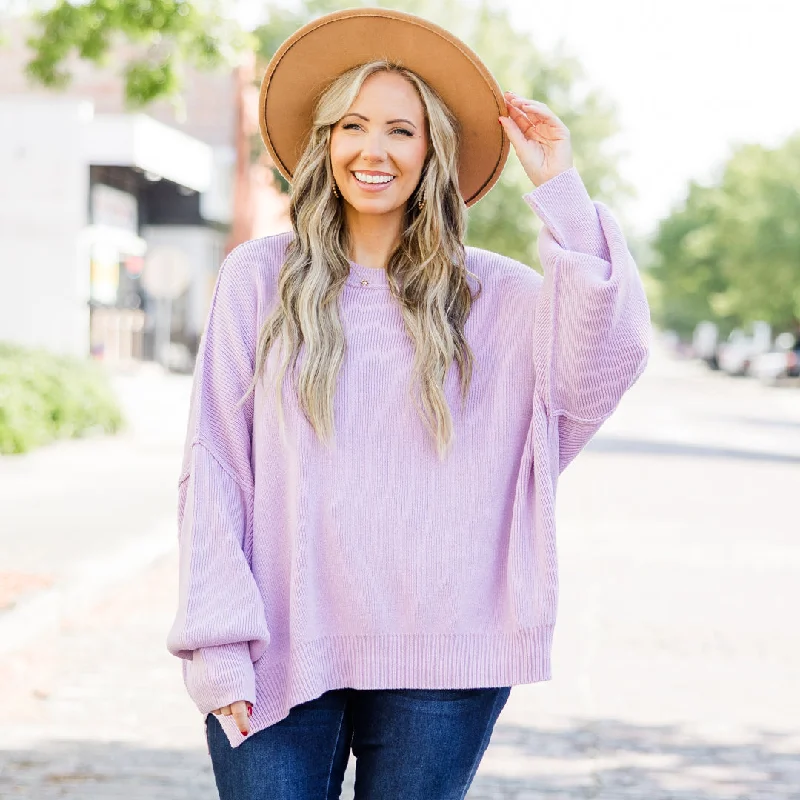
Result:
[{"x": 426, "y": 273}]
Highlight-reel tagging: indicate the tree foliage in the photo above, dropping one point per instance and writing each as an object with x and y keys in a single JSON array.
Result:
[
  {"x": 165, "y": 33},
  {"x": 731, "y": 252}
]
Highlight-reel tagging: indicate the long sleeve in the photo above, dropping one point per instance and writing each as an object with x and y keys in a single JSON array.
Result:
[
  {"x": 220, "y": 628},
  {"x": 592, "y": 323}
]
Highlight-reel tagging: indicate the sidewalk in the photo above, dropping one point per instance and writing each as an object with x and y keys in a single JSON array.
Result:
[
  {"x": 79, "y": 514},
  {"x": 91, "y": 703},
  {"x": 98, "y": 708}
]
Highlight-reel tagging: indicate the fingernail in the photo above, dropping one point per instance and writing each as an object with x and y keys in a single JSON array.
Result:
[
  {"x": 250, "y": 711},
  {"x": 244, "y": 733}
]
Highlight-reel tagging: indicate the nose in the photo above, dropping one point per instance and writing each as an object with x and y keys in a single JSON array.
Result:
[{"x": 374, "y": 149}]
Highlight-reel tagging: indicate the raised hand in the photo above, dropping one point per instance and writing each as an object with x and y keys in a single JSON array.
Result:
[{"x": 540, "y": 139}]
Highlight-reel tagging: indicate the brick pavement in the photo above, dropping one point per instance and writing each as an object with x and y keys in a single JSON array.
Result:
[{"x": 115, "y": 723}]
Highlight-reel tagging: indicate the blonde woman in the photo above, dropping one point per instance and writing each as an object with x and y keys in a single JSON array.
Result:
[{"x": 379, "y": 419}]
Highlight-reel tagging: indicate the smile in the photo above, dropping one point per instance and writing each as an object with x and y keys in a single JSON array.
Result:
[{"x": 373, "y": 181}]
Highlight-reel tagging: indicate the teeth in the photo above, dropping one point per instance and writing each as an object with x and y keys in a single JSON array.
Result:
[{"x": 373, "y": 178}]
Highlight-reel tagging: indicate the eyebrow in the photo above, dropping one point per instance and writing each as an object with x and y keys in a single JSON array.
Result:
[{"x": 388, "y": 122}]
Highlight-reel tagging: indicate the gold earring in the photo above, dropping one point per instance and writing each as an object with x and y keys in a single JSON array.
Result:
[
  {"x": 421, "y": 204},
  {"x": 335, "y": 190}
]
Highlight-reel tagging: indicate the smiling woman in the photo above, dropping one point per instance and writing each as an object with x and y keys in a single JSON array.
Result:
[
  {"x": 379, "y": 183},
  {"x": 378, "y": 186},
  {"x": 379, "y": 418}
]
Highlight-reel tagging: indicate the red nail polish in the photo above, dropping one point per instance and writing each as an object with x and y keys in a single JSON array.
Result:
[{"x": 249, "y": 711}]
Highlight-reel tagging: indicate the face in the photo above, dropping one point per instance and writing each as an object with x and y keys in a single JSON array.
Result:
[{"x": 381, "y": 138}]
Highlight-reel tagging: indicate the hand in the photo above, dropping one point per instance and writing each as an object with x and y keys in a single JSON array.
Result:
[
  {"x": 240, "y": 710},
  {"x": 540, "y": 139}
]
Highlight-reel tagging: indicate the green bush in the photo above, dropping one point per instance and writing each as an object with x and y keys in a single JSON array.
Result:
[{"x": 44, "y": 397}]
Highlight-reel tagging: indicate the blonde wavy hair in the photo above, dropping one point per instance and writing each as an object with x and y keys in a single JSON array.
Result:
[{"x": 426, "y": 273}]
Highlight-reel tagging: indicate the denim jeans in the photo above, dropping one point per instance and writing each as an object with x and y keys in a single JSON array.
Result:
[{"x": 414, "y": 744}]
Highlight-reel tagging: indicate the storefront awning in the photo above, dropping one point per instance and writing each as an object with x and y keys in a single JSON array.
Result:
[{"x": 136, "y": 140}]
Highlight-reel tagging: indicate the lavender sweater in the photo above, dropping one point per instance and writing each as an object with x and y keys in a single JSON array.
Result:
[{"x": 373, "y": 564}]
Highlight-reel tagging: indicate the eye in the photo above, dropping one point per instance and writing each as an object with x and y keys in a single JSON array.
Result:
[{"x": 349, "y": 125}]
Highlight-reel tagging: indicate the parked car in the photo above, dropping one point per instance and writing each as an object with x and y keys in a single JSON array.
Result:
[
  {"x": 737, "y": 352},
  {"x": 704, "y": 343},
  {"x": 783, "y": 361}
]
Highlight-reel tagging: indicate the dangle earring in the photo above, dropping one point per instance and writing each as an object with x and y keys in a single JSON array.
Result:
[
  {"x": 421, "y": 203},
  {"x": 335, "y": 190}
]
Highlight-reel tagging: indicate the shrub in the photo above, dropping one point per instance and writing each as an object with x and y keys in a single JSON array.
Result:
[{"x": 44, "y": 396}]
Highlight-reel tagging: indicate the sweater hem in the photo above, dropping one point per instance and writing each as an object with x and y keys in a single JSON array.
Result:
[{"x": 393, "y": 661}]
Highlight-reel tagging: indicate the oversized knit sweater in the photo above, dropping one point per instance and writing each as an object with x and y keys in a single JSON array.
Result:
[{"x": 373, "y": 563}]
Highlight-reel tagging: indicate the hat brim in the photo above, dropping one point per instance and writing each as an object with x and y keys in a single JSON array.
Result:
[{"x": 307, "y": 62}]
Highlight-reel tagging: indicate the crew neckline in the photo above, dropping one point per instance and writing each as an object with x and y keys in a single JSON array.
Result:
[{"x": 375, "y": 278}]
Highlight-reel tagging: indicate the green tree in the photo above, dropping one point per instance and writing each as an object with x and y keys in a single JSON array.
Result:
[
  {"x": 760, "y": 234},
  {"x": 731, "y": 252},
  {"x": 164, "y": 35},
  {"x": 686, "y": 261}
]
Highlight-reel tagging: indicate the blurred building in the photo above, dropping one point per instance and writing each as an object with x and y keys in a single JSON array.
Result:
[{"x": 104, "y": 212}]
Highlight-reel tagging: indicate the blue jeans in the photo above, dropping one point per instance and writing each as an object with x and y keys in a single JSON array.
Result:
[{"x": 414, "y": 744}]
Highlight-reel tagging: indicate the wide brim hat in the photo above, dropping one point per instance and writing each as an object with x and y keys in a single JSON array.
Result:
[{"x": 311, "y": 58}]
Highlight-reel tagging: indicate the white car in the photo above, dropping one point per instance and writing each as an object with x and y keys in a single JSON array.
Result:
[
  {"x": 781, "y": 362},
  {"x": 736, "y": 354}
]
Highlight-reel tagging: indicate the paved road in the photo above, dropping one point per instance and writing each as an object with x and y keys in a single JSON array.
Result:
[{"x": 676, "y": 654}]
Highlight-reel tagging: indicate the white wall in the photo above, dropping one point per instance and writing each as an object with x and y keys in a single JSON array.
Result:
[{"x": 44, "y": 277}]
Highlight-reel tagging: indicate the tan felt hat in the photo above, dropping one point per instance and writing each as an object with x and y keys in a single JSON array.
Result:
[{"x": 307, "y": 62}]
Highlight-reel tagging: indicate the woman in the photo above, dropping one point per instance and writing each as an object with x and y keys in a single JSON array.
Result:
[{"x": 367, "y": 538}]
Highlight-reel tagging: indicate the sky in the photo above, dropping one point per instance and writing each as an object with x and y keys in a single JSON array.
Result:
[{"x": 690, "y": 79}]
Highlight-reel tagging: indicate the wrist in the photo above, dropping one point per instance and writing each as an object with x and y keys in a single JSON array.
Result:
[{"x": 549, "y": 176}]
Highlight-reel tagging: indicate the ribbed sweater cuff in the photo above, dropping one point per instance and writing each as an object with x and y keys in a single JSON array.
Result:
[
  {"x": 565, "y": 207},
  {"x": 220, "y": 675}
]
